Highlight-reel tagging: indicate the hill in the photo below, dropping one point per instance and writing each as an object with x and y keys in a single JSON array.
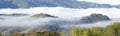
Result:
[{"x": 53, "y": 3}]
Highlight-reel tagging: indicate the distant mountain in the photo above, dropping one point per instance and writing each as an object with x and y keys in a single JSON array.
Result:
[
  {"x": 53, "y": 3},
  {"x": 94, "y": 18},
  {"x": 14, "y": 14},
  {"x": 42, "y": 15}
]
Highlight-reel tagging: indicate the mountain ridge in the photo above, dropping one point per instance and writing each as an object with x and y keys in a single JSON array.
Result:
[{"x": 53, "y": 3}]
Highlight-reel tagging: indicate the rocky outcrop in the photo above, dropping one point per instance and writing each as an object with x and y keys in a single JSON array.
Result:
[{"x": 94, "y": 18}]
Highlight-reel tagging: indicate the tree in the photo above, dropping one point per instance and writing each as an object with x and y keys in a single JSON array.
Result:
[
  {"x": 76, "y": 31},
  {"x": 86, "y": 32},
  {"x": 94, "y": 18},
  {"x": 96, "y": 31},
  {"x": 110, "y": 30},
  {"x": 16, "y": 34}
]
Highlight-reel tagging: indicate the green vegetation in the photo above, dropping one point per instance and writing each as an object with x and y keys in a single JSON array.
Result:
[
  {"x": 94, "y": 18},
  {"x": 44, "y": 33},
  {"x": 41, "y": 15},
  {"x": 111, "y": 30}
]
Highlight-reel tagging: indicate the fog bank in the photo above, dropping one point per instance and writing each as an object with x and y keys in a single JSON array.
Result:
[{"x": 66, "y": 12}]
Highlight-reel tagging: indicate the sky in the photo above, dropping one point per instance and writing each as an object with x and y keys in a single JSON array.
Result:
[{"x": 112, "y": 2}]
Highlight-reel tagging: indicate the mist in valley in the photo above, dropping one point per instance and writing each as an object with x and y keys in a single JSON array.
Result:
[{"x": 67, "y": 18}]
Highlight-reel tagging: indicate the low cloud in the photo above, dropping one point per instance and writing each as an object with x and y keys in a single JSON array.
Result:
[{"x": 64, "y": 13}]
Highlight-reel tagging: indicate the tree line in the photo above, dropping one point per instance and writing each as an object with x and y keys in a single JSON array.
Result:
[{"x": 111, "y": 30}]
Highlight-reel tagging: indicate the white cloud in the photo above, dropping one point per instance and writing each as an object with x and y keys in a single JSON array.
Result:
[
  {"x": 113, "y": 2},
  {"x": 66, "y": 12},
  {"x": 57, "y": 11}
]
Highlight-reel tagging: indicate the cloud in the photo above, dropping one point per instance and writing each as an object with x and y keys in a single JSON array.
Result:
[
  {"x": 66, "y": 13},
  {"x": 113, "y": 2}
]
